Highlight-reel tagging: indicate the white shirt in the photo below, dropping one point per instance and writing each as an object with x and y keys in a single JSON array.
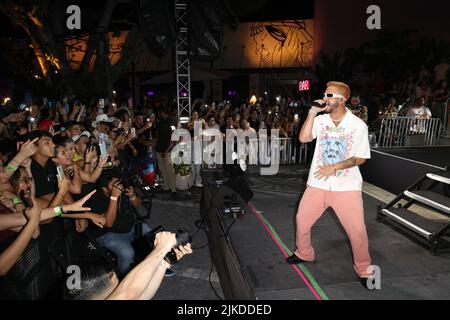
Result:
[
  {"x": 336, "y": 144},
  {"x": 215, "y": 126},
  {"x": 419, "y": 112}
]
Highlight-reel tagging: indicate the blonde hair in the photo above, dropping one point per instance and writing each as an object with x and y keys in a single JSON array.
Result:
[{"x": 343, "y": 88}]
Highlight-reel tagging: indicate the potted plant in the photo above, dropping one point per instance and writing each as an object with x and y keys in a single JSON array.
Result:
[{"x": 183, "y": 179}]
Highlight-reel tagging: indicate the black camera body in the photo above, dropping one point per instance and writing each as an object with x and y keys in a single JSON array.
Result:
[{"x": 145, "y": 244}]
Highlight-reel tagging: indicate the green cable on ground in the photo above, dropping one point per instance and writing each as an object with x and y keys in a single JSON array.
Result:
[{"x": 301, "y": 266}]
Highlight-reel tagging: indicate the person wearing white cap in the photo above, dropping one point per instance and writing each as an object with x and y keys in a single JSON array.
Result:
[
  {"x": 82, "y": 134},
  {"x": 101, "y": 125},
  {"x": 81, "y": 141}
]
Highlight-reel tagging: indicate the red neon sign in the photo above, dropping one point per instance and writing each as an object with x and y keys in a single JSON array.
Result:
[{"x": 304, "y": 85}]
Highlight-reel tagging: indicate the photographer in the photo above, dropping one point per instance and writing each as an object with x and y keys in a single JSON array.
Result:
[
  {"x": 164, "y": 145},
  {"x": 99, "y": 282},
  {"x": 119, "y": 204}
]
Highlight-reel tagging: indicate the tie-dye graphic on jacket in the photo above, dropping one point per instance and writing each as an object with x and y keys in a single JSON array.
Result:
[{"x": 334, "y": 146}]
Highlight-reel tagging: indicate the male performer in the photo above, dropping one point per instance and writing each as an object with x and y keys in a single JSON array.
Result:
[{"x": 334, "y": 179}]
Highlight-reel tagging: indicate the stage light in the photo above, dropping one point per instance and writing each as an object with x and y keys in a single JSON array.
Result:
[
  {"x": 253, "y": 99},
  {"x": 184, "y": 120}
]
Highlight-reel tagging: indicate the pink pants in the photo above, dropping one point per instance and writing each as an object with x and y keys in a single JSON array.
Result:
[{"x": 348, "y": 206}]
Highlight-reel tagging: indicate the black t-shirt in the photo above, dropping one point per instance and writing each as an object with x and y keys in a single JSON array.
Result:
[
  {"x": 223, "y": 129},
  {"x": 254, "y": 124},
  {"x": 125, "y": 218},
  {"x": 163, "y": 134},
  {"x": 45, "y": 178}
]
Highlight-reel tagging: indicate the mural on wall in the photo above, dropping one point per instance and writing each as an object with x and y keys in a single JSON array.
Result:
[
  {"x": 283, "y": 44},
  {"x": 76, "y": 48}
]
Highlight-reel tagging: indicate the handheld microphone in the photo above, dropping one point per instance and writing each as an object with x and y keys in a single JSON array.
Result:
[{"x": 314, "y": 104}]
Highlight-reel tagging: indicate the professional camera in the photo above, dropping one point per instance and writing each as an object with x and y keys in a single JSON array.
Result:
[{"x": 145, "y": 244}]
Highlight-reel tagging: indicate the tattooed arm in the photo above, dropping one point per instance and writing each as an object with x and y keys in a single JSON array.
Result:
[
  {"x": 329, "y": 170},
  {"x": 349, "y": 163}
]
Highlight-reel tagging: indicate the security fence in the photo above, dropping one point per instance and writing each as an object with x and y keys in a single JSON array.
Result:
[{"x": 409, "y": 131}]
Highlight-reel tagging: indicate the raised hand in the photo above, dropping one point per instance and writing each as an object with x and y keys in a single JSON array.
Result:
[
  {"x": 181, "y": 251},
  {"x": 15, "y": 117},
  {"x": 27, "y": 149},
  {"x": 34, "y": 213},
  {"x": 103, "y": 161},
  {"x": 69, "y": 171},
  {"x": 63, "y": 184},
  {"x": 91, "y": 153},
  {"x": 319, "y": 109},
  {"x": 7, "y": 202},
  {"x": 97, "y": 219},
  {"x": 78, "y": 205},
  {"x": 166, "y": 240},
  {"x": 117, "y": 189}
]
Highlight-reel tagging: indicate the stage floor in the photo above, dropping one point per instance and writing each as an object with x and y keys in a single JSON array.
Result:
[
  {"x": 408, "y": 271},
  {"x": 437, "y": 156}
]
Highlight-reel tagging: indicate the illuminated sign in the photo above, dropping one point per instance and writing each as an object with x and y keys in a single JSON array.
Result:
[{"x": 304, "y": 85}]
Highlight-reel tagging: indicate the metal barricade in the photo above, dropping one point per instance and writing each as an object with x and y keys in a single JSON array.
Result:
[
  {"x": 440, "y": 110},
  {"x": 290, "y": 151},
  {"x": 409, "y": 131}
]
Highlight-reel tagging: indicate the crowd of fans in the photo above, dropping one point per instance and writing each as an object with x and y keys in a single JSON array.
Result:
[
  {"x": 421, "y": 93},
  {"x": 87, "y": 165},
  {"x": 63, "y": 160}
]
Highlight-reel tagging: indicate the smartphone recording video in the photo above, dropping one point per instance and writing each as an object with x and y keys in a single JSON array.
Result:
[
  {"x": 102, "y": 146},
  {"x": 60, "y": 172}
]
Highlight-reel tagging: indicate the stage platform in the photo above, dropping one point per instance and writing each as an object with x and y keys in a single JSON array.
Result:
[
  {"x": 438, "y": 157},
  {"x": 395, "y": 169},
  {"x": 261, "y": 239}
]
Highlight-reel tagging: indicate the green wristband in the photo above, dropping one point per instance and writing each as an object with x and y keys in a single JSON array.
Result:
[
  {"x": 17, "y": 201},
  {"x": 58, "y": 211},
  {"x": 10, "y": 167}
]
